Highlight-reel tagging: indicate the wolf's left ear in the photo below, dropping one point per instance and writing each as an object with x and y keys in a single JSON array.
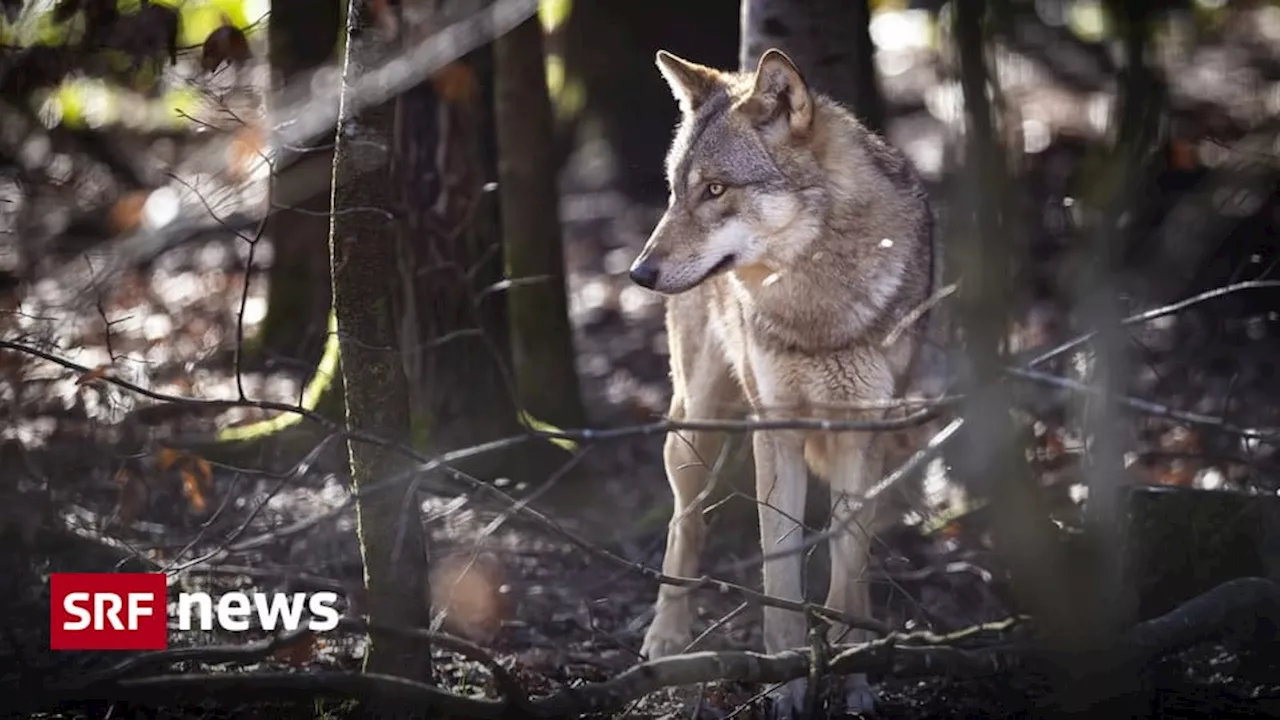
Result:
[
  {"x": 690, "y": 82},
  {"x": 780, "y": 94}
]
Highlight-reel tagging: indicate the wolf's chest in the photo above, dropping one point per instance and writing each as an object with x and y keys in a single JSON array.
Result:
[{"x": 777, "y": 372}]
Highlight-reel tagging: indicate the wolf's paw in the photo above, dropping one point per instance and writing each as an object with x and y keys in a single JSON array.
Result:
[
  {"x": 661, "y": 642},
  {"x": 787, "y": 702},
  {"x": 859, "y": 696}
]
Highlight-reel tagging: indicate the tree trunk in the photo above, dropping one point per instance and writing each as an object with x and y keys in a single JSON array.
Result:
[
  {"x": 302, "y": 35},
  {"x": 541, "y": 338},
  {"x": 609, "y": 47},
  {"x": 363, "y": 257},
  {"x": 453, "y": 324},
  {"x": 829, "y": 41},
  {"x": 989, "y": 461}
]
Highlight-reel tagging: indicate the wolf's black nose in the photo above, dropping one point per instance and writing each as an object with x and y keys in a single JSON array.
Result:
[{"x": 644, "y": 274}]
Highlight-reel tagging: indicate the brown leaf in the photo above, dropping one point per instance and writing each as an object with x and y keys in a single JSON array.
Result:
[
  {"x": 193, "y": 492},
  {"x": 132, "y": 498},
  {"x": 228, "y": 45},
  {"x": 245, "y": 152},
  {"x": 167, "y": 457},
  {"x": 300, "y": 652},
  {"x": 456, "y": 83},
  {"x": 126, "y": 214}
]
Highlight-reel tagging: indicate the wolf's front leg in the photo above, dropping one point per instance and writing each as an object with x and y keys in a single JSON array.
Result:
[
  {"x": 687, "y": 457},
  {"x": 856, "y": 462},
  {"x": 781, "y": 478}
]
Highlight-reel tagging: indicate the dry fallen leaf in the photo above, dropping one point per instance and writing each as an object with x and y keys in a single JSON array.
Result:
[
  {"x": 300, "y": 652},
  {"x": 193, "y": 492},
  {"x": 167, "y": 457},
  {"x": 132, "y": 497},
  {"x": 1178, "y": 461},
  {"x": 195, "y": 473}
]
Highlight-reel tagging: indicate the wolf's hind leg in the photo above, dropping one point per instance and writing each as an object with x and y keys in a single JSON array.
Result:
[{"x": 688, "y": 457}]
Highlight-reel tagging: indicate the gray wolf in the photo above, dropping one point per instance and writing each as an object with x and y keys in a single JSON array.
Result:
[{"x": 794, "y": 242}]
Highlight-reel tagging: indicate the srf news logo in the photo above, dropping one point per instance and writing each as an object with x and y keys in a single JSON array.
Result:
[{"x": 129, "y": 611}]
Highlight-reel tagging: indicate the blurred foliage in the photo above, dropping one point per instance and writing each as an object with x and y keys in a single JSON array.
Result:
[
  {"x": 81, "y": 101},
  {"x": 89, "y": 102},
  {"x": 198, "y": 18},
  {"x": 568, "y": 94},
  {"x": 553, "y": 13}
]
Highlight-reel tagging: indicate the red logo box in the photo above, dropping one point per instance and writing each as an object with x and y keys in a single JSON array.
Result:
[{"x": 108, "y": 611}]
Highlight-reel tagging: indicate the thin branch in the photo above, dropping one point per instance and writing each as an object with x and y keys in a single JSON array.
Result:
[
  {"x": 506, "y": 683},
  {"x": 1144, "y": 406},
  {"x": 1154, "y": 313}
]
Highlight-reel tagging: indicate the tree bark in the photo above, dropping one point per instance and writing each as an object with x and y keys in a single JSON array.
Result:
[
  {"x": 302, "y": 35},
  {"x": 363, "y": 257},
  {"x": 609, "y": 47},
  {"x": 828, "y": 40},
  {"x": 542, "y": 346},
  {"x": 454, "y": 330}
]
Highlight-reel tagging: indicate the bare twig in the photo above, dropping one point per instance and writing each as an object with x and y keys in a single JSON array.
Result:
[
  {"x": 918, "y": 312},
  {"x": 1144, "y": 406},
  {"x": 1154, "y": 313}
]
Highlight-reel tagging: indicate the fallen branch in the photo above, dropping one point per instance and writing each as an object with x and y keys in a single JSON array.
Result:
[{"x": 1240, "y": 607}]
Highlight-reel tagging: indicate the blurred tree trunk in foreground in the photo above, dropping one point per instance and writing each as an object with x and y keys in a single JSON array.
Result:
[
  {"x": 363, "y": 256},
  {"x": 1057, "y": 589},
  {"x": 302, "y": 35},
  {"x": 541, "y": 338},
  {"x": 829, "y": 41}
]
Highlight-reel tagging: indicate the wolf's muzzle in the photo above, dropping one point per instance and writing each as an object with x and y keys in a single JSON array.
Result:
[{"x": 644, "y": 274}]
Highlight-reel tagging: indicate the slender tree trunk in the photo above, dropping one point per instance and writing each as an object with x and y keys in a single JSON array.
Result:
[
  {"x": 302, "y": 35},
  {"x": 453, "y": 322},
  {"x": 608, "y": 46},
  {"x": 363, "y": 260},
  {"x": 989, "y": 461},
  {"x": 829, "y": 41},
  {"x": 541, "y": 338}
]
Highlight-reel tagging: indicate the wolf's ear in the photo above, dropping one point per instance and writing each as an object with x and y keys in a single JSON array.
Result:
[
  {"x": 780, "y": 94},
  {"x": 690, "y": 82}
]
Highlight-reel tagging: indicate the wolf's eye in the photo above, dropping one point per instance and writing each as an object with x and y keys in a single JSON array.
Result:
[{"x": 714, "y": 190}]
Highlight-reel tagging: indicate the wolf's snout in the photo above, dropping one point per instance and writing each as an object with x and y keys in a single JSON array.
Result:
[{"x": 644, "y": 272}]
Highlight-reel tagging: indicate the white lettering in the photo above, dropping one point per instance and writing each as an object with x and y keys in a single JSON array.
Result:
[
  {"x": 106, "y": 606},
  {"x": 137, "y": 609},
  {"x": 199, "y": 600},
  {"x": 271, "y": 609},
  {"x": 321, "y": 604},
  {"x": 233, "y": 612},
  {"x": 71, "y": 604}
]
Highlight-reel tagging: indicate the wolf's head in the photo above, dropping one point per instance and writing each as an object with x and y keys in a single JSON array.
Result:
[{"x": 742, "y": 176}]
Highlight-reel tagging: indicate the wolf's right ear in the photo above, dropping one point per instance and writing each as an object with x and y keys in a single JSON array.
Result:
[
  {"x": 779, "y": 92},
  {"x": 690, "y": 82}
]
